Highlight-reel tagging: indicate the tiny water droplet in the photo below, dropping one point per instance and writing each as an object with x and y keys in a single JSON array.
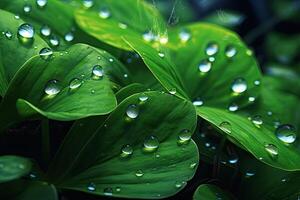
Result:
[
  {"x": 251, "y": 99},
  {"x": 111, "y": 60},
  {"x": 148, "y": 36},
  {"x": 108, "y": 191},
  {"x": 46, "y": 53},
  {"x": 233, "y": 159},
  {"x": 104, "y": 13},
  {"x": 139, "y": 173},
  {"x": 198, "y": 102},
  {"x": 126, "y": 151},
  {"x": 17, "y": 17},
  {"x": 54, "y": 41},
  {"x": 8, "y": 35},
  {"x": 26, "y": 31},
  {"x": 271, "y": 149},
  {"x": 257, "y": 82},
  {"x": 179, "y": 184},
  {"x": 230, "y": 51},
  {"x": 193, "y": 165},
  {"x": 160, "y": 54},
  {"x": 172, "y": 91},
  {"x": 185, "y": 135},
  {"x": 211, "y": 49},
  {"x": 257, "y": 120},
  {"x": 239, "y": 86},
  {"x": 249, "y": 174},
  {"x": 118, "y": 189},
  {"x": 122, "y": 25},
  {"x": 226, "y": 127},
  {"x": 41, "y": 3},
  {"x": 151, "y": 143},
  {"x": 269, "y": 113},
  {"x": 132, "y": 111},
  {"x": 233, "y": 107},
  {"x": 286, "y": 133},
  {"x": 69, "y": 37},
  {"x": 184, "y": 35},
  {"x": 27, "y": 8},
  {"x": 97, "y": 72},
  {"x": 204, "y": 66},
  {"x": 211, "y": 59},
  {"x": 75, "y": 83},
  {"x": 143, "y": 98},
  {"x": 52, "y": 87},
  {"x": 91, "y": 187},
  {"x": 88, "y": 3}
]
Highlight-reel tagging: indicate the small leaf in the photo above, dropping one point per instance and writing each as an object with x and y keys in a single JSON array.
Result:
[
  {"x": 13, "y": 167},
  {"x": 210, "y": 192},
  {"x": 122, "y": 162}
]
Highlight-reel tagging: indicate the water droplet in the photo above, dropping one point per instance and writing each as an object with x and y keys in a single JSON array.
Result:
[
  {"x": 41, "y": 3},
  {"x": 233, "y": 107},
  {"x": 104, "y": 13},
  {"x": 75, "y": 83},
  {"x": 251, "y": 99},
  {"x": 91, "y": 187},
  {"x": 286, "y": 133},
  {"x": 27, "y": 8},
  {"x": 211, "y": 59},
  {"x": 46, "y": 53},
  {"x": 249, "y": 52},
  {"x": 172, "y": 91},
  {"x": 211, "y": 49},
  {"x": 17, "y": 17},
  {"x": 93, "y": 91},
  {"x": 26, "y": 31},
  {"x": 230, "y": 51},
  {"x": 108, "y": 191},
  {"x": 164, "y": 39},
  {"x": 54, "y": 41},
  {"x": 151, "y": 143},
  {"x": 257, "y": 120},
  {"x": 269, "y": 113},
  {"x": 239, "y": 86},
  {"x": 198, "y": 102},
  {"x": 233, "y": 159},
  {"x": 193, "y": 165},
  {"x": 97, "y": 72},
  {"x": 160, "y": 54},
  {"x": 118, "y": 189},
  {"x": 111, "y": 60},
  {"x": 88, "y": 3},
  {"x": 185, "y": 135},
  {"x": 139, "y": 173},
  {"x": 45, "y": 31},
  {"x": 271, "y": 149},
  {"x": 69, "y": 37},
  {"x": 52, "y": 87},
  {"x": 226, "y": 127},
  {"x": 257, "y": 82},
  {"x": 126, "y": 151},
  {"x": 207, "y": 144},
  {"x": 8, "y": 35},
  {"x": 148, "y": 36},
  {"x": 122, "y": 25},
  {"x": 204, "y": 66},
  {"x": 249, "y": 174},
  {"x": 184, "y": 35},
  {"x": 179, "y": 184},
  {"x": 132, "y": 111},
  {"x": 143, "y": 98}
]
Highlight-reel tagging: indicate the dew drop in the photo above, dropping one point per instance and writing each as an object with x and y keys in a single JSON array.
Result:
[
  {"x": 151, "y": 143},
  {"x": 193, "y": 165},
  {"x": 126, "y": 150},
  {"x": 226, "y": 127},
  {"x": 118, "y": 189},
  {"x": 46, "y": 53},
  {"x": 204, "y": 66},
  {"x": 54, "y": 41},
  {"x": 184, "y": 35},
  {"x": 41, "y": 3},
  {"x": 233, "y": 107},
  {"x": 257, "y": 82},
  {"x": 45, "y": 31},
  {"x": 132, "y": 111},
  {"x": 161, "y": 54},
  {"x": 26, "y": 31},
  {"x": 286, "y": 133},
  {"x": 251, "y": 99},
  {"x": 185, "y": 135},
  {"x": 88, "y": 3},
  {"x": 172, "y": 91},
  {"x": 97, "y": 72},
  {"x": 143, "y": 98},
  {"x": 122, "y": 25},
  {"x": 8, "y": 35},
  {"x": 91, "y": 187},
  {"x": 230, "y": 51},
  {"x": 27, "y": 8},
  {"x": 257, "y": 120},
  {"x": 69, "y": 37},
  {"x": 139, "y": 173},
  {"x": 148, "y": 36},
  {"x": 249, "y": 174},
  {"x": 179, "y": 184},
  {"x": 75, "y": 83},
  {"x": 211, "y": 49},
  {"x": 271, "y": 149},
  {"x": 198, "y": 102},
  {"x": 104, "y": 13},
  {"x": 239, "y": 86},
  {"x": 233, "y": 159},
  {"x": 108, "y": 191},
  {"x": 52, "y": 87}
]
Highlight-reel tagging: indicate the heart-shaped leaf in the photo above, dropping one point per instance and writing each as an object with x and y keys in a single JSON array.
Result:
[
  {"x": 210, "y": 192},
  {"x": 67, "y": 86},
  {"x": 15, "y": 49},
  {"x": 136, "y": 154},
  {"x": 13, "y": 167},
  {"x": 114, "y": 19}
]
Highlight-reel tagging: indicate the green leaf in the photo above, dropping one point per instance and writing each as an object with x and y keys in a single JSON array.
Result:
[
  {"x": 91, "y": 95},
  {"x": 119, "y": 19},
  {"x": 38, "y": 190},
  {"x": 142, "y": 174},
  {"x": 210, "y": 192},
  {"x": 13, "y": 167},
  {"x": 13, "y": 51},
  {"x": 129, "y": 90}
]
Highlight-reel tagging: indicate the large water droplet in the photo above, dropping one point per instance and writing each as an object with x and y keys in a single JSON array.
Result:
[
  {"x": 126, "y": 150},
  {"x": 184, "y": 35},
  {"x": 52, "y": 87},
  {"x": 41, "y": 3},
  {"x": 46, "y": 53},
  {"x": 271, "y": 149},
  {"x": 26, "y": 31},
  {"x": 139, "y": 173},
  {"x": 69, "y": 37},
  {"x": 185, "y": 135},
  {"x": 108, "y": 191},
  {"x": 204, "y": 66},
  {"x": 88, "y": 3},
  {"x": 230, "y": 51},
  {"x": 286, "y": 133},
  {"x": 75, "y": 83},
  {"x": 54, "y": 41},
  {"x": 226, "y": 127},
  {"x": 132, "y": 111},
  {"x": 151, "y": 143},
  {"x": 104, "y": 13},
  {"x": 239, "y": 86},
  {"x": 45, "y": 30},
  {"x": 8, "y": 35},
  {"x": 91, "y": 187},
  {"x": 97, "y": 72},
  {"x": 211, "y": 49}
]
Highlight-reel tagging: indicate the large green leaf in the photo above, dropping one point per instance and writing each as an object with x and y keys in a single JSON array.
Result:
[
  {"x": 13, "y": 167},
  {"x": 122, "y": 18},
  {"x": 142, "y": 174},
  {"x": 210, "y": 192},
  {"x": 39, "y": 78},
  {"x": 13, "y": 51}
]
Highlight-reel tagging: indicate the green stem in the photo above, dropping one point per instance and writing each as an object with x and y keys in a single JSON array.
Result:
[{"x": 45, "y": 141}]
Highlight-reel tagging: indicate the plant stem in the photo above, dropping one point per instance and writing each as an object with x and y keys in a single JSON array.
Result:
[{"x": 45, "y": 141}]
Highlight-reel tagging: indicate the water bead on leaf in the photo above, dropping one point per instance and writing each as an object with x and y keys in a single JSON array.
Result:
[
  {"x": 204, "y": 66},
  {"x": 52, "y": 87},
  {"x": 45, "y": 31},
  {"x": 211, "y": 49},
  {"x": 151, "y": 143},
  {"x": 139, "y": 173},
  {"x": 148, "y": 36},
  {"x": 104, "y": 13},
  {"x": 233, "y": 107},
  {"x": 172, "y": 91},
  {"x": 46, "y": 53},
  {"x": 8, "y": 35},
  {"x": 272, "y": 150},
  {"x": 91, "y": 187},
  {"x": 239, "y": 85},
  {"x": 108, "y": 191},
  {"x": 41, "y": 3},
  {"x": 230, "y": 51},
  {"x": 132, "y": 111},
  {"x": 226, "y": 127},
  {"x": 27, "y": 8},
  {"x": 26, "y": 31},
  {"x": 75, "y": 83},
  {"x": 185, "y": 135},
  {"x": 286, "y": 133},
  {"x": 69, "y": 37},
  {"x": 54, "y": 41},
  {"x": 122, "y": 25},
  {"x": 184, "y": 35},
  {"x": 198, "y": 102},
  {"x": 143, "y": 98},
  {"x": 161, "y": 54},
  {"x": 126, "y": 150},
  {"x": 257, "y": 120},
  {"x": 97, "y": 72}
]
